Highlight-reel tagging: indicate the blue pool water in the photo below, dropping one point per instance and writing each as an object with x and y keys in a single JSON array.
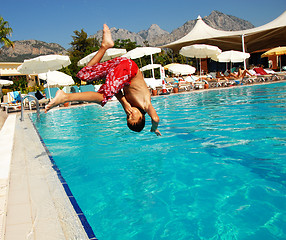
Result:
[{"x": 217, "y": 172}]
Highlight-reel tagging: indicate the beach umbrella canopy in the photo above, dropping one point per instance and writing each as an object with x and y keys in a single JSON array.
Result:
[
  {"x": 56, "y": 78},
  {"x": 232, "y": 56},
  {"x": 200, "y": 51},
  {"x": 278, "y": 51},
  {"x": 182, "y": 69},
  {"x": 150, "y": 66},
  {"x": 109, "y": 54},
  {"x": 141, "y": 52},
  {"x": 44, "y": 64},
  {"x": 166, "y": 67},
  {"x": 275, "y": 52},
  {"x": 4, "y": 82}
]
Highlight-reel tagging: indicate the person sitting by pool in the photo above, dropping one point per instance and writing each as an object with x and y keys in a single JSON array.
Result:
[
  {"x": 39, "y": 95},
  {"x": 240, "y": 74},
  {"x": 120, "y": 74}
]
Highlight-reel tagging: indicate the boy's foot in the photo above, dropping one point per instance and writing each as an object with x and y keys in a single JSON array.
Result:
[
  {"x": 107, "y": 41},
  {"x": 58, "y": 99}
]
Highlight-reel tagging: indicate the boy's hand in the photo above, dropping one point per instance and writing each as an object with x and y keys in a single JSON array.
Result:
[
  {"x": 127, "y": 108},
  {"x": 157, "y": 132}
]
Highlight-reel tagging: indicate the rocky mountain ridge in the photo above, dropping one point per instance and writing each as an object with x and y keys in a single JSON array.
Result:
[
  {"x": 154, "y": 36},
  {"x": 26, "y": 49}
]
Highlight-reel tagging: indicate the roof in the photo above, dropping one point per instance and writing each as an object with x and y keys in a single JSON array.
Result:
[
  {"x": 270, "y": 35},
  {"x": 9, "y": 69}
]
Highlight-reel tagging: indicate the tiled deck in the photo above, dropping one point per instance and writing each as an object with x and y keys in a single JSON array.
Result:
[{"x": 33, "y": 202}]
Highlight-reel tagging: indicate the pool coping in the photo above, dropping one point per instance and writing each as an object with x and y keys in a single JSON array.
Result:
[
  {"x": 67, "y": 190},
  {"x": 37, "y": 201}
]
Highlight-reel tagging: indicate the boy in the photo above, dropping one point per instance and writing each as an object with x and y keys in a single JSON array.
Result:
[{"x": 121, "y": 74}]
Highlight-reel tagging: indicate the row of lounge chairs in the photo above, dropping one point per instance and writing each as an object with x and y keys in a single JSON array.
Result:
[
  {"x": 13, "y": 101},
  {"x": 210, "y": 81}
]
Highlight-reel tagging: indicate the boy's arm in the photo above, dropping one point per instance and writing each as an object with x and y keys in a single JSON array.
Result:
[
  {"x": 154, "y": 119},
  {"x": 126, "y": 105}
]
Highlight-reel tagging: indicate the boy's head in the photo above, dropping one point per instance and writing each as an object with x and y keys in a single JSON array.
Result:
[{"x": 136, "y": 120}]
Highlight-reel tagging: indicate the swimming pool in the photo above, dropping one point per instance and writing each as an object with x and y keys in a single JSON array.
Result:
[{"x": 217, "y": 172}]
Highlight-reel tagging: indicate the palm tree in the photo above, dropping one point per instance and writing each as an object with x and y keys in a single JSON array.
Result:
[{"x": 5, "y": 30}]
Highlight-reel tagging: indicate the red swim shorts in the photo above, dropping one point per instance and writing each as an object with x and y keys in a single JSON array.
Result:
[{"x": 118, "y": 73}]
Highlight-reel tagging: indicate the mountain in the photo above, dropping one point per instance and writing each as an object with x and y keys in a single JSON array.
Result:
[
  {"x": 155, "y": 36},
  {"x": 27, "y": 49},
  {"x": 215, "y": 20},
  {"x": 121, "y": 34}
]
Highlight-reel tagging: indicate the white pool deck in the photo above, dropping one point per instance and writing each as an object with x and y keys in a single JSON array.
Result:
[{"x": 33, "y": 202}]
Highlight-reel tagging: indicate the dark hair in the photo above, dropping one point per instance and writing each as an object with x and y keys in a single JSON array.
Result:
[{"x": 137, "y": 127}]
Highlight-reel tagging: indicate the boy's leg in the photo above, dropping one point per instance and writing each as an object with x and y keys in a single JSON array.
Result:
[
  {"x": 106, "y": 43},
  {"x": 62, "y": 97}
]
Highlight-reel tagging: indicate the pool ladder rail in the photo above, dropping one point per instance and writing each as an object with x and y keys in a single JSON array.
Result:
[{"x": 22, "y": 106}]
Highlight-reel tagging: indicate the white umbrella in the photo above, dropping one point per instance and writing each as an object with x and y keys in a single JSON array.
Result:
[
  {"x": 44, "y": 64},
  {"x": 109, "y": 54},
  {"x": 200, "y": 51},
  {"x": 182, "y": 69},
  {"x": 56, "y": 78},
  {"x": 152, "y": 67},
  {"x": 141, "y": 52},
  {"x": 4, "y": 82},
  {"x": 232, "y": 56}
]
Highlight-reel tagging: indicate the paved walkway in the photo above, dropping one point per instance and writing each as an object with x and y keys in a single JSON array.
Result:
[
  {"x": 3, "y": 117},
  {"x": 34, "y": 201}
]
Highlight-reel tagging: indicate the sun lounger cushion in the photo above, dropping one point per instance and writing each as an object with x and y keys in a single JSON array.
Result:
[
  {"x": 87, "y": 88},
  {"x": 260, "y": 71},
  {"x": 14, "y": 97}
]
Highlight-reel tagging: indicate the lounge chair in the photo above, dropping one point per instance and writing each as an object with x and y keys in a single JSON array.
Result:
[
  {"x": 87, "y": 88},
  {"x": 264, "y": 75},
  {"x": 31, "y": 102},
  {"x": 14, "y": 101},
  {"x": 72, "y": 89},
  {"x": 181, "y": 84},
  {"x": 51, "y": 92},
  {"x": 97, "y": 87}
]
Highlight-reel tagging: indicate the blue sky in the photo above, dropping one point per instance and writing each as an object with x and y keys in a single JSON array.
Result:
[{"x": 55, "y": 20}]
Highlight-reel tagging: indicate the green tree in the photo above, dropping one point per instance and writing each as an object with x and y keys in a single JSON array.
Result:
[
  {"x": 125, "y": 43},
  {"x": 5, "y": 31},
  {"x": 81, "y": 47}
]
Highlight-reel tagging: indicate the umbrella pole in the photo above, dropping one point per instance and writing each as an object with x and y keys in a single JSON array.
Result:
[
  {"x": 243, "y": 49},
  {"x": 49, "y": 88},
  {"x": 152, "y": 68},
  {"x": 49, "y": 92},
  {"x": 200, "y": 68}
]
